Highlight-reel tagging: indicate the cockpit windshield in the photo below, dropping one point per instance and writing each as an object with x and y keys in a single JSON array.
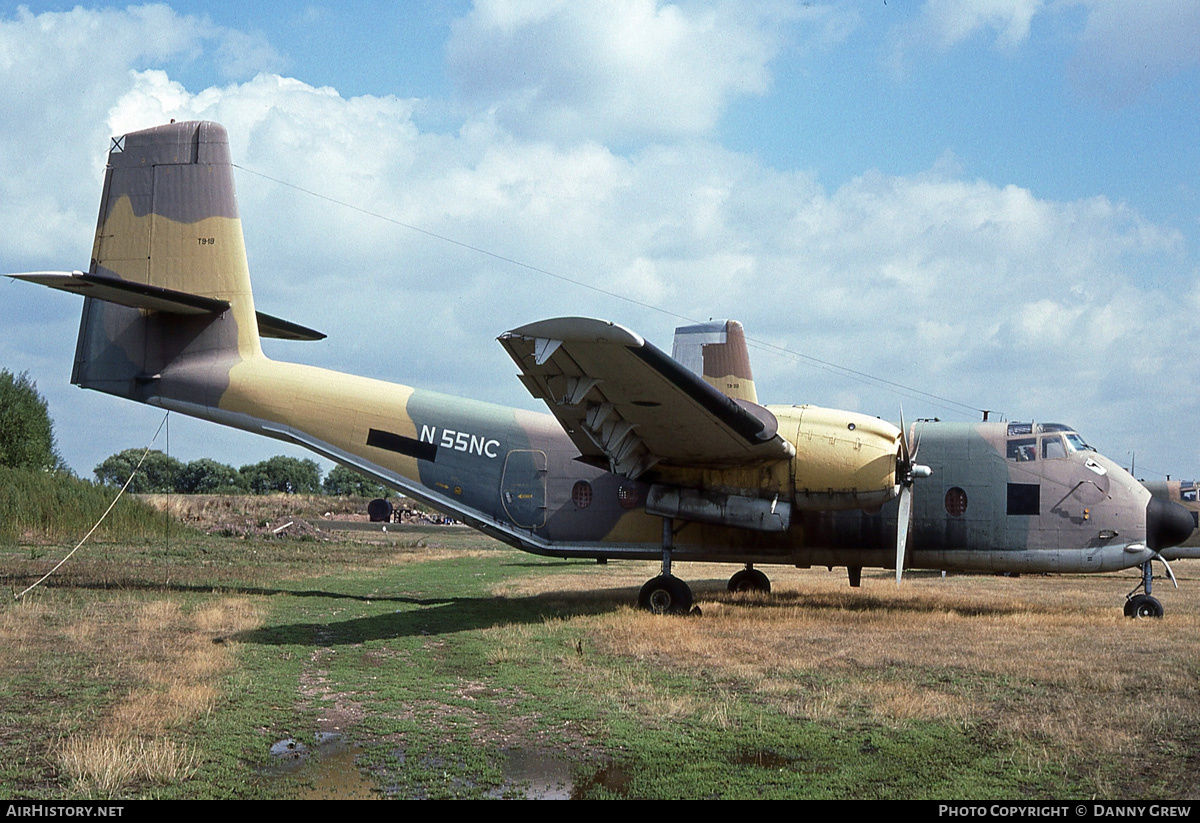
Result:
[
  {"x": 1056, "y": 442},
  {"x": 1076, "y": 443}
]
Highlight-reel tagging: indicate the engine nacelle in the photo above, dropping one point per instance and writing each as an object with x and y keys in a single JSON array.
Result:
[{"x": 844, "y": 460}]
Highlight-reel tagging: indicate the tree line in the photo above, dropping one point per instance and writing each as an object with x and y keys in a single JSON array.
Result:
[
  {"x": 161, "y": 473},
  {"x": 26, "y": 433}
]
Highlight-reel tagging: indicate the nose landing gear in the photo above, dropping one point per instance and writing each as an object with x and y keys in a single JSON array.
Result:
[{"x": 1145, "y": 604}]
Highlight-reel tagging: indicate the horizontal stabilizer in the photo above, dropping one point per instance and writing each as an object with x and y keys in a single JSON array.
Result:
[
  {"x": 125, "y": 293},
  {"x": 280, "y": 329},
  {"x": 156, "y": 298}
]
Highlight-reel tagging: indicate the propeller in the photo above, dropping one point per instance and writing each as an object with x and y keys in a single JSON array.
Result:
[{"x": 907, "y": 471}]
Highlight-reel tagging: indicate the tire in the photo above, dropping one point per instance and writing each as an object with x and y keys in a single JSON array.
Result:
[
  {"x": 665, "y": 594},
  {"x": 750, "y": 580},
  {"x": 1143, "y": 606}
]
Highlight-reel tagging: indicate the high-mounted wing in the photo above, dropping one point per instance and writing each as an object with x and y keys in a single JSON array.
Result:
[{"x": 628, "y": 406}]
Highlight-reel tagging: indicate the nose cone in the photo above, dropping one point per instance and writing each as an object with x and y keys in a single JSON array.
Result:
[{"x": 1167, "y": 524}]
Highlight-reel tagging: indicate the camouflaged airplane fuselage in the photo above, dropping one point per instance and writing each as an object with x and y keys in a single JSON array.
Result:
[{"x": 634, "y": 438}]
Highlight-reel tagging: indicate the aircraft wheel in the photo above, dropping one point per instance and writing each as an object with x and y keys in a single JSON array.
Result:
[
  {"x": 1143, "y": 605},
  {"x": 665, "y": 594},
  {"x": 750, "y": 580}
]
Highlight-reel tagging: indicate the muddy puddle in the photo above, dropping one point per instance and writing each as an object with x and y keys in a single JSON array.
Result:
[
  {"x": 535, "y": 776},
  {"x": 327, "y": 766},
  {"x": 329, "y": 769}
]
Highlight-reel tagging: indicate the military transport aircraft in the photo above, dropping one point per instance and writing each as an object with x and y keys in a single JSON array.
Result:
[{"x": 641, "y": 456}]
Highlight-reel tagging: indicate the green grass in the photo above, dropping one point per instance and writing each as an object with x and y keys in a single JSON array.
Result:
[
  {"x": 48, "y": 506},
  {"x": 446, "y": 677},
  {"x": 404, "y": 646}
]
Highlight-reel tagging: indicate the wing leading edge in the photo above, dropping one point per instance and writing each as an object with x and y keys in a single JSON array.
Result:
[{"x": 628, "y": 406}]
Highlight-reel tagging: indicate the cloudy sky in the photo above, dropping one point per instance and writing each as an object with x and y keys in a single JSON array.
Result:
[{"x": 950, "y": 206}]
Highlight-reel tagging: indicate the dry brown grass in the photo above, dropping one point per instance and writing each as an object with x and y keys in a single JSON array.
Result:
[
  {"x": 176, "y": 663},
  {"x": 209, "y": 511},
  {"x": 162, "y": 666},
  {"x": 106, "y": 765},
  {"x": 1049, "y": 661}
]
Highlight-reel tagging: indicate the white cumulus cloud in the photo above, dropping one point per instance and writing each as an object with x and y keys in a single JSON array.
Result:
[{"x": 622, "y": 69}]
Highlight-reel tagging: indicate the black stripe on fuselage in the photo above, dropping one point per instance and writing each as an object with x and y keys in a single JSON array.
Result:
[{"x": 407, "y": 446}]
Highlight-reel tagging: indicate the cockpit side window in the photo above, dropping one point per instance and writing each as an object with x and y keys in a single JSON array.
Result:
[
  {"x": 1022, "y": 449},
  {"x": 1053, "y": 448}
]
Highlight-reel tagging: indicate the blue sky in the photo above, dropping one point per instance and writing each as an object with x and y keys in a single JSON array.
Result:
[{"x": 995, "y": 202}]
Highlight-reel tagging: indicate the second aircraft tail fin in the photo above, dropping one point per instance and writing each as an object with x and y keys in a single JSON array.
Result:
[{"x": 716, "y": 351}]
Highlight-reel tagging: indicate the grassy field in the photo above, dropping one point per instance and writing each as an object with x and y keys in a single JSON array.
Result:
[{"x": 433, "y": 662}]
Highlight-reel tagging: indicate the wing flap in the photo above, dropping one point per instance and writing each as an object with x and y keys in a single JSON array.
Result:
[{"x": 621, "y": 399}]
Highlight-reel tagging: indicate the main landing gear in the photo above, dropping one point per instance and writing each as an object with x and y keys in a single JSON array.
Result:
[
  {"x": 1145, "y": 605},
  {"x": 666, "y": 594},
  {"x": 750, "y": 579}
]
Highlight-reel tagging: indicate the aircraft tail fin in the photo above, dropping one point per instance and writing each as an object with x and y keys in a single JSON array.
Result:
[
  {"x": 716, "y": 351},
  {"x": 168, "y": 228},
  {"x": 168, "y": 309}
]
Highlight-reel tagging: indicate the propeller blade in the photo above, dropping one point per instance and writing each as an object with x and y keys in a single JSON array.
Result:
[
  {"x": 902, "y": 517},
  {"x": 907, "y": 471}
]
